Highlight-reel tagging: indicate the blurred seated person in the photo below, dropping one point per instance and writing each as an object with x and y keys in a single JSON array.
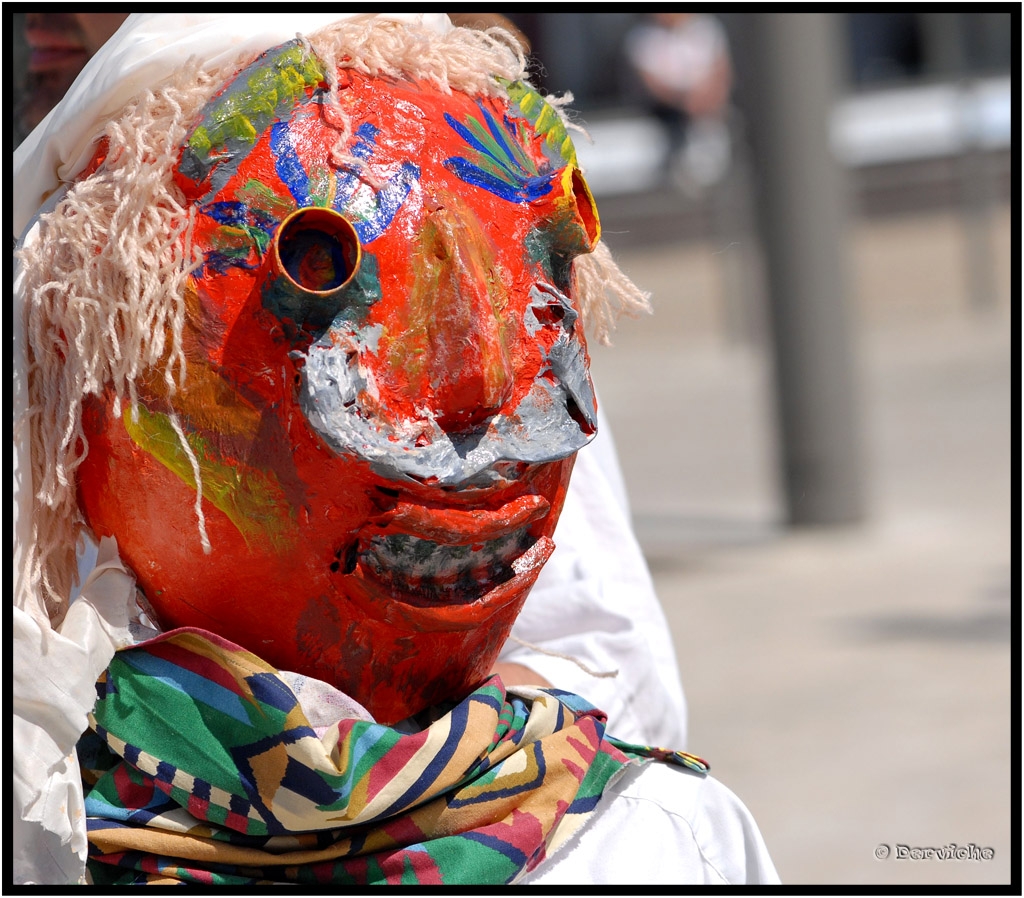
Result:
[
  {"x": 302, "y": 346},
  {"x": 682, "y": 60}
]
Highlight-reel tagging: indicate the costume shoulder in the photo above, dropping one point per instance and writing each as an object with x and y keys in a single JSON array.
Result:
[{"x": 663, "y": 825}]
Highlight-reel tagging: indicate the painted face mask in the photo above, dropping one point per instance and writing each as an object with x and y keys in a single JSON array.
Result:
[{"x": 387, "y": 381}]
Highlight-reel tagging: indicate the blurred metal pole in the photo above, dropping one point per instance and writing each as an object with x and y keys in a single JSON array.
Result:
[{"x": 792, "y": 71}]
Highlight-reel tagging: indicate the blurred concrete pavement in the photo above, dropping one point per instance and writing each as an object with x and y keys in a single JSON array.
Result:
[{"x": 851, "y": 685}]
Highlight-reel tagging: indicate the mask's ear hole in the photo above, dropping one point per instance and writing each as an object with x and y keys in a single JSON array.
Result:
[
  {"x": 586, "y": 208},
  {"x": 317, "y": 250}
]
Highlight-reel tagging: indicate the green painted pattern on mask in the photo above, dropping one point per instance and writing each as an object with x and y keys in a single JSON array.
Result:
[
  {"x": 252, "y": 500},
  {"x": 544, "y": 119},
  {"x": 256, "y": 98}
]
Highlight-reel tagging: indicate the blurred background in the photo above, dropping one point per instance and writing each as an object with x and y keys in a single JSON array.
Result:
[{"x": 814, "y": 424}]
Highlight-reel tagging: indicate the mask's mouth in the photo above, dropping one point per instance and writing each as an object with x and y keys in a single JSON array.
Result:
[
  {"x": 428, "y": 574},
  {"x": 449, "y": 568}
]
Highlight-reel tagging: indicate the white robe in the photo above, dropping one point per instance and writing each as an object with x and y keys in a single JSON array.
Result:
[{"x": 665, "y": 826}]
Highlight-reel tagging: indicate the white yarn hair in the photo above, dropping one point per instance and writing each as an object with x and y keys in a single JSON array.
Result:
[{"x": 105, "y": 280}]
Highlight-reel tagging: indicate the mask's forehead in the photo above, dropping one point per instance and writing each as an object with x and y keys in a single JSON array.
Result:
[
  {"x": 383, "y": 152},
  {"x": 417, "y": 151}
]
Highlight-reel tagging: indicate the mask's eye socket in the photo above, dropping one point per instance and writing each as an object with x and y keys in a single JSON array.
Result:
[
  {"x": 317, "y": 250},
  {"x": 313, "y": 260},
  {"x": 586, "y": 208}
]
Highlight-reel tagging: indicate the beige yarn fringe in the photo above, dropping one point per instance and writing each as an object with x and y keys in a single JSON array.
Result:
[
  {"x": 605, "y": 292},
  {"x": 105, "y": 281},
  {"x": 104, "y": 287}
]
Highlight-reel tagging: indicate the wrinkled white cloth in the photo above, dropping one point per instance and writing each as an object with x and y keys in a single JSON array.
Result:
[
  {"x": 659, "y": 825},
  {"x": 594, "y": 602},
  {"x": 54, "y": 689}
]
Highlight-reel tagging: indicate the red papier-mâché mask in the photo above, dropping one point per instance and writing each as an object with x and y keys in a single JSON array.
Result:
[{"x": 387, "y": 381}]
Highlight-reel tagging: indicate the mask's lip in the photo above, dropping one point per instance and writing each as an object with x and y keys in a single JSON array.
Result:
[
  {"x": 461, "y": 526},
  {"x": 376, "y": 601}
]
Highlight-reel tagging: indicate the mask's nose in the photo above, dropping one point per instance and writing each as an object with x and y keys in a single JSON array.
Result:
[{"x": 456, "y": 353}]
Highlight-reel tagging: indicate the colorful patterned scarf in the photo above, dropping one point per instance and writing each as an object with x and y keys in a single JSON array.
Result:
[{"x": 201, "y": 766}]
